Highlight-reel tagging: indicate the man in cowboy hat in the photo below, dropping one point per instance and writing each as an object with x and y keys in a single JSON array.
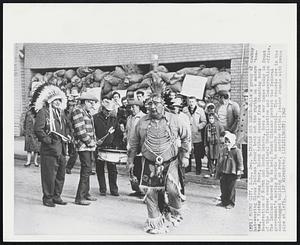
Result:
[
  {"x": 85, "y": 141},
  {"x": 136, "y": 114},
  {"x": 50, "y": 128},
  {"x": 71, "y": 145},
  {"x": 105, "y": 126}
]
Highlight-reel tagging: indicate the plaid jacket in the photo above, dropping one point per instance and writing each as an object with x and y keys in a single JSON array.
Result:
[{"x": 84, "y": 130}]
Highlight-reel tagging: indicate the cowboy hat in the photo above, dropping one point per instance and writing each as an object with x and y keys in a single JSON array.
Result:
[{"x": 87, "y": 96}]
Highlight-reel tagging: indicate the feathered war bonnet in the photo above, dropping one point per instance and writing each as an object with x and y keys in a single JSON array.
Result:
[{"x": 46, "y": 94}]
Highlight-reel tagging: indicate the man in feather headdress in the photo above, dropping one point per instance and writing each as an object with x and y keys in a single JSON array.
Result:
[
  {"x": 163, "y": 140},
  {"x": 51, "y": 129}
]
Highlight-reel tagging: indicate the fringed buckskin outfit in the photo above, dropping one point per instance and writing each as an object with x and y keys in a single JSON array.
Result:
[{"x": 161, "y": 142}]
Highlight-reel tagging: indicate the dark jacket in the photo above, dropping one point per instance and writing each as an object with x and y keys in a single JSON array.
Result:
[
  {"x": 102, "y": 125},
  {"x": 51, "y": 144},
  {"x": 230, "y": 161}
]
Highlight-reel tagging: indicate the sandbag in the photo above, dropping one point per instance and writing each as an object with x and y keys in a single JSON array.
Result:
[
  {"x": 69, "y": 85},
  {"x": 145, "y": 83},
  {"x": 176, "y": 87},
  {"x": 59, "y": 73},
  {"x": 114, "y": 81},
  {"x": 114, "y": 88},
  {"x": 83, "y": 71},
  {"x": 119, "y": 73},
  {"x": 134, "y": 78},
  {"x": 38, "y": 77},
  {"x": 53, "y": 81},
  {"x": 130, "y": 94},
  {"x": 209, "y": 82},
  {"x": 133, "y": 87},
  {"x": 96, "y": 84},
  {"x": 177, "y": 78},
  {"x": 210, "y": 92},
  {"x": 47, "y": 76},
  {"x": 148, "y": 75},
  {"x": 167, "y": 76},
  {"x": 209, "y": 71},
  {"x": 161, "y": 68},
  {"x": 189, "y": 70},
  {"x": 59, "y": 81},
  {"x": 221, "y": 87},
  {"x": 221, "y": 78},
  {"x": 131, "y": 69},
  {"x": 122, "y": 85},
  {"x": 106, "y": 87},
  {"x": 98, "y": 75},
  {"x": 69, "y": 74},
  {"x": 75, "y": 80}
]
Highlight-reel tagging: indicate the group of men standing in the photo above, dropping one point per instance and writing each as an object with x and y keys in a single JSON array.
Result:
[{"x": 158, "y": 143}]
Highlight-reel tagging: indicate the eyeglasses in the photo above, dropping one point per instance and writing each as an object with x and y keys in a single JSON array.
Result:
[{"x": 91, "y": 102}]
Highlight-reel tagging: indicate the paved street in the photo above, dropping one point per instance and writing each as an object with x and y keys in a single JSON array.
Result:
[{"x": 117, "y": 215}]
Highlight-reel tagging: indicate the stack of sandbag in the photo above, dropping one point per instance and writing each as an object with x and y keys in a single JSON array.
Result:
[{"x": 130, "y": 78}]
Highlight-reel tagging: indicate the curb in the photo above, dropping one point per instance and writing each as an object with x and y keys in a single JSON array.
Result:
[{"x": 189, "y": 177}]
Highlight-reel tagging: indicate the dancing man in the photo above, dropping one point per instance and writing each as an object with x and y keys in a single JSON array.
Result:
[{"x": 163, "y": 140}]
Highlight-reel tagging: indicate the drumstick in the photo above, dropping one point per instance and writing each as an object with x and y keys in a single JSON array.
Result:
[{"x": 100, "y": 141}]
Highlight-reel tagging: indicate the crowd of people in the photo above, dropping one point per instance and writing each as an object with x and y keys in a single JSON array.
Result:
[{"x": 161, "y": 133}]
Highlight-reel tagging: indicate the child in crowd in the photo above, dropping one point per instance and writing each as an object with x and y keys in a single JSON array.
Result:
[
  {"x": 212, "y": 134},
  {"x": 230, "y": 168}
]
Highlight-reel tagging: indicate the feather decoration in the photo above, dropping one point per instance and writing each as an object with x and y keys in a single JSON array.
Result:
[{"x": 47, "y": 92}]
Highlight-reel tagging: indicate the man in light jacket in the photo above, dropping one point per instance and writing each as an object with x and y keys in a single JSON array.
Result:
[
  {"x": 228, "y": 112},
  {"x": 197, "y": 122}
]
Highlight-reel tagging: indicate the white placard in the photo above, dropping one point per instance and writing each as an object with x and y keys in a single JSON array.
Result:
[{"x": 193, "y": 86}]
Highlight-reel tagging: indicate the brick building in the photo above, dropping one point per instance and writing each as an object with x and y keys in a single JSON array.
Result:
[{"x": 41, "y": 57}]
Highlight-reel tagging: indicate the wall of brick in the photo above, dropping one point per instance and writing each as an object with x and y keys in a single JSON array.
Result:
[
  {"x": 18, "y": 88},
  {"x": 74, "y": 55},
  {"x": 51, "y": 56}
]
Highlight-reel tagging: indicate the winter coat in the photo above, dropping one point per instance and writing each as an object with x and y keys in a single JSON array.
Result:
[
  {"x": 51, "y": 144},
  {"x": 31, "y": 141},
  {"x": 233, "y": 114},
  {"x": 230, "y": 161},
  {"x": 84, "y": 131},
  {"x": 197, "y": 123}
]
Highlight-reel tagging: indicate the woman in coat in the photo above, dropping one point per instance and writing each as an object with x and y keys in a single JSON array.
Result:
[{"x": 32, "y": 144}]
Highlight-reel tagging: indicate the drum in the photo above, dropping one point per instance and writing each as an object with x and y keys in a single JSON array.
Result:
[{"x": 112, "y": 155}]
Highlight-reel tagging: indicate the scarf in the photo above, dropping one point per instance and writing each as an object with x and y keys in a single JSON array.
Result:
[
  {"x": 212, "y": 134},
  {"x": 192, "y": 111}
]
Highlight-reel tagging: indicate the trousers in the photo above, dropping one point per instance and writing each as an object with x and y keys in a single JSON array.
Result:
[
  {"x": 73, "y": 156},
  {"x": 86, "y": 158},
  {"x": 228, "y": 184},
  {"x": 52, "y": 175},
  {"x": 112, "y": 176},
  {"x": 198, "y": 153}
]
